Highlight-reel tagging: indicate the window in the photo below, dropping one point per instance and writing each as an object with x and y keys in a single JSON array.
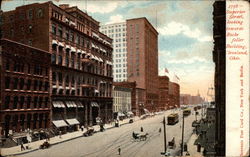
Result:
[
  {"x": 40, "y": 102},
  {"x": 53, "y": 29},
  {"x": 35, "y": 102},
  {"x": 54, "y": 76},
  {"x": 30, "y": 28},
  {"x": 67, "y": 34},
  {"x": 7, "y": 102},
  {"x": 15, "y": 83},
  {"x": 28, "y": 84},
  {"x": 21, "y": 83},
  {"x": 59, "y": 59},
  {"x": 40, "y": 85},
  {"x": 30, "y": 14},
  {"x": 40, "y": 12},
  {"x": 21, "y": 102},
  {"x": 72, "y": 62},
  {"x": 60, "y": 77},
  {"x": 71, "y": 36},
  {"x": 15, "y": 102},
  {"x": 46, "y": 87},
  {"x": 46, "y": 102},
  {"x": 67, "y": 60},
  {"x": 60, "y": 31},
  {"x": 53, "y": 58},
  {"x": 35, "y": 85},
  {"x": 30, "y": 42},
  {"x": 7, "y": 65},
  {"x": 7, "y": 82},
  {"x": 12, "y": 32}
]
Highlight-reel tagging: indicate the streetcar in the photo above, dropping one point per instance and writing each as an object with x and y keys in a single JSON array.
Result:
[
  {"x": 187, "y": 112},
  {"x": 173, "y": 118}
]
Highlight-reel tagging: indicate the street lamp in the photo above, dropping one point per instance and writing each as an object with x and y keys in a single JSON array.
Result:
[{"x": 182, "y": 137}]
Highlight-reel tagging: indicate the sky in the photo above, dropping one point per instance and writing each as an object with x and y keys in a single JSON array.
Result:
[{"x": 185, "y": 27}]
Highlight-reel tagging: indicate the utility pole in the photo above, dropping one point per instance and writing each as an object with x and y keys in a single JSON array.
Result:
[
  {"x": 182, "y": 137},
  {"x": 164, "y": 129}
]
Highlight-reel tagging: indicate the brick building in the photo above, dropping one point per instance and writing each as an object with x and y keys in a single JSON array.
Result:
[
  {"x": 163, "y": 93},
  {"x": 137, "y": 96},
  {"x": 174, "y": 95},
  {"x": 142, "y": 56},
  {"x": 136, "y": 56},
  {"x": 25, "y": 97},
  {"x": 81, "y": 58}
]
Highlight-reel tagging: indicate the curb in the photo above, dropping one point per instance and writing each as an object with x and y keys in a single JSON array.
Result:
[{"x": 52, "y": 144}]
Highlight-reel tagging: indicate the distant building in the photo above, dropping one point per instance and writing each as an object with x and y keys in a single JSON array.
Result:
[
  {"x": 186, "y": 99},
  {"x": 121, "y": 101},
  {"x": 163, "y": 93},
  {"x": 137, "y": 97},
  {"x": 174, "y": 95}
]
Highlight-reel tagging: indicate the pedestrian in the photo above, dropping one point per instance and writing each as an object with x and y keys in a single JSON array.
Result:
[
  {"x": 119, "y": 150},
  {"x": 60, "y": 134},
  {"x": 82, "y": 127},
  {"x": 22, "y": 147},
  {"x": 141, "y": 129},
  {"x": 160, "y": 130}
]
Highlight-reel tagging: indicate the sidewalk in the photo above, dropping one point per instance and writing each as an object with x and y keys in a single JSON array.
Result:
[
  {"x": 192, "y": 149},
  {"x": 33, "y": 146}
]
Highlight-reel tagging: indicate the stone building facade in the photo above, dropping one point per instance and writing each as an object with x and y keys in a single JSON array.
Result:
[
  {"x": 163, "y": 93},
  {"x": 25, "y": 89},
  {"x": 81, "y": 60}
]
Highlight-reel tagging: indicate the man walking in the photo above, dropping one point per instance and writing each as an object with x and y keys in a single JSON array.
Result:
[{"x": 119, "y": 151}]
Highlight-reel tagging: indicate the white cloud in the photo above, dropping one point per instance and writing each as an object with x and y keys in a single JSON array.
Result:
[
  {"x": 115, "y": 19},
  {"x": 101, "y": 7},
  {"x": 175, "y": 28},
  {"x": 187, "y": 60}
]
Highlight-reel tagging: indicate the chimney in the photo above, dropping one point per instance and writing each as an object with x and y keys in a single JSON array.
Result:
[{"x": 64, "y": 6}]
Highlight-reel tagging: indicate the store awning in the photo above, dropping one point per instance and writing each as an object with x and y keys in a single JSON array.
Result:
[
  {"x": 60, "y": 44},
  {"x": 84, "y": 52},
  {"x": 54, "y": 42},
  {"x": 79, "y": 104},
  {"x": 58, "y": 104},
  {"x": 79, "y": 51},
  {"x": 72, "y": 121},
  {"x": 67, "y": 47},
  {"x": 70, "y": 104},
  {"x": 73, "y": 49},
  {"x": 59, "y": 123},
  {"x": 146, "y": 111},
  {"x": 96, "y": 91},
  {"x": 94, "y": 104}
]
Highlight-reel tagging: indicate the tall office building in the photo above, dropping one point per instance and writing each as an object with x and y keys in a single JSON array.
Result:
[
  {"x": 136, "y": 44},
  {"x": 118, "y": 33}
]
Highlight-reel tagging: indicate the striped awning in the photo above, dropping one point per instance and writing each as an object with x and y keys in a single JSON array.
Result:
[
  {"x": 94, "y": 104},
  {"x": 70, "y": 104},
  {"x": 59, "y": 123},
  {"x": 58, "y": 104},
  {"x": 72, "y": 121}
]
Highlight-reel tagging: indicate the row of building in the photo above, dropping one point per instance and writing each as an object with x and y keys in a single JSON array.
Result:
[
  {"x": 186, "y": 99},
  {"x": 57, "y": 70}
]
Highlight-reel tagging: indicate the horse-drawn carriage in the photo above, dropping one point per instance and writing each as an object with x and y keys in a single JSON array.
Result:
[
  {"x": 171, "y": 144},
  {"x": 139, "y": 136},
  {"x": 89, "y": 132},
  {"x": 45, "y": 145}
]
